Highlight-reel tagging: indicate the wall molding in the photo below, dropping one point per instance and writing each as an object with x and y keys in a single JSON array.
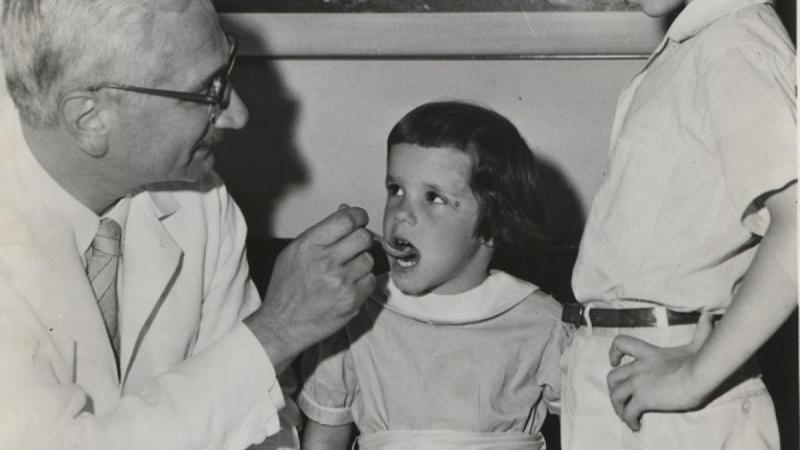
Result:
[{"x": 446, "y": 35}]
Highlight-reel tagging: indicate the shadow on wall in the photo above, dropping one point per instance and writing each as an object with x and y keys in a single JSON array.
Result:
[
  {"x": 261, "y": 162},
  {"x": 787, "y": 10},
  {"x": 565, "y": 215},
  {"x": 549, "y": 265}
]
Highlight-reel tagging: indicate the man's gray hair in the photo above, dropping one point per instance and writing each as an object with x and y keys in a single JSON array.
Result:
[{"x": 50, "y": 47}]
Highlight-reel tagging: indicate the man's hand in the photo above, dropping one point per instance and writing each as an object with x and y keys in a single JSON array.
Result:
[
  {"x": 319, "y": 281},
  {"x": 657, "y": 379}
]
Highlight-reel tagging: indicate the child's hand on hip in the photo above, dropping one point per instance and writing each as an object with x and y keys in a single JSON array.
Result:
[{"x": 657, "y": 378}]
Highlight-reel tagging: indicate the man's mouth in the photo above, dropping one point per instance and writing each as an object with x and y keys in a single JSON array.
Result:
[{"x": 211, "y": 141}]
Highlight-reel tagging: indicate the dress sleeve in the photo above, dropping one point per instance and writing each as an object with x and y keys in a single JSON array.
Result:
[
  {"x": 549, "y": 374},
  {"x": 330, "y": 386}
]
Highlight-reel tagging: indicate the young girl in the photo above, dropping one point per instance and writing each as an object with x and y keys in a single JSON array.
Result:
[{"x": 447, "y": 353}]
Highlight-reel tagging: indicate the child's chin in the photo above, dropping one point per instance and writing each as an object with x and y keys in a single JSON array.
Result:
[{"x": 407, "y": 287}]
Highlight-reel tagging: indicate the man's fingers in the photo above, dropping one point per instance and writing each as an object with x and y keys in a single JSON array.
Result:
[
  {"x": 365, "y": 285},
  {"x": 336, "y": 226},
  {"x": 703, "y": 330},
  {"x": 359, "y": 267},
  {"x": 358, "y": 242},
  {"x": 628, "y": 345}
]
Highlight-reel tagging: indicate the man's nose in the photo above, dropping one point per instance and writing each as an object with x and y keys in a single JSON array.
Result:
[{"x": 235, "y": 116}]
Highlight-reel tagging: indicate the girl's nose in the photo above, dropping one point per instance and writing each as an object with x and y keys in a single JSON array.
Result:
[{"x": 403, "y": 213}]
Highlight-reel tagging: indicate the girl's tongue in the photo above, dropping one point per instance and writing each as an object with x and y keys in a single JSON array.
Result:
[{"x": 403, "y": 251}]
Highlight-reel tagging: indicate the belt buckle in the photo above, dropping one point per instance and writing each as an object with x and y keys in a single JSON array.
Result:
[{"x": 573, "y": 314}]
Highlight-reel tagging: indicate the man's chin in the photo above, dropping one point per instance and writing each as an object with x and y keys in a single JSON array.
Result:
[
  {"x": 202, "y": 161},
  {"x": 198, "y": 168}
]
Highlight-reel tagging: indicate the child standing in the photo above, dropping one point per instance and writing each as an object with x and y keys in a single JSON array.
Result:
[
  {"x": 696, "y": 214},
  {"x": 446, "y": 354}
]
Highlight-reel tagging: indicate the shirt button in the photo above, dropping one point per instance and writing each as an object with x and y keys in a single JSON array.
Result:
[{"x": 746, "y": 405}]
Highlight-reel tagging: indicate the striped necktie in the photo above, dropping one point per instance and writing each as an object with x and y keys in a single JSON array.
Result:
[{"x": 102, "y": 259}]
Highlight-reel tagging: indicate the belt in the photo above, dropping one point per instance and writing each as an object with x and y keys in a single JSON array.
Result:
[{"x": 625, "y": 318}]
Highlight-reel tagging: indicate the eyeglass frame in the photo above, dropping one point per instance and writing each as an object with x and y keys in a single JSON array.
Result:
[{"x": 217, "y": 101}]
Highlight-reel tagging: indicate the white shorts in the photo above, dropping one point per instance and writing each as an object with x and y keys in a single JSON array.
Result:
[{"x": 741, "y": 418}]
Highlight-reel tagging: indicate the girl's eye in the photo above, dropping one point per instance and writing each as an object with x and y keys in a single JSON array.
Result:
[
  {"x": 433, "y": 197},
  {"x": 393, "y": 189}
]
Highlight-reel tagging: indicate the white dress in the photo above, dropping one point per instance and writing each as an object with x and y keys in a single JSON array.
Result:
[{"x": 472, "y": 370}]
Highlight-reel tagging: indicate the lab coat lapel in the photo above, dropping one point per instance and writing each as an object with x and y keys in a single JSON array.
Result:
[
  {"x": 53, "y": 280},
  {"x": 151, "y": 260}
]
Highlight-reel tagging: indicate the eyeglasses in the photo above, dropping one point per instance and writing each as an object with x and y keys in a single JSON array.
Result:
[{"x": 218, "y": 95}]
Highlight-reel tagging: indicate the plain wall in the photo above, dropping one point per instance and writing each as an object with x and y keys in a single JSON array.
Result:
[{"x": 317, "y": 130}]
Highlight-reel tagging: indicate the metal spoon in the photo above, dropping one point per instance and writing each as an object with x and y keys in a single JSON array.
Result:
[{"x": 388, "y": 247}]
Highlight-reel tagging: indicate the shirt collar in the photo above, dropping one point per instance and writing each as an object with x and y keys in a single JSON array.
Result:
[
  {"x": 698, "y": 14},
  {"x": 497, "y": 294},
  {"x": 161, "y": 198}
]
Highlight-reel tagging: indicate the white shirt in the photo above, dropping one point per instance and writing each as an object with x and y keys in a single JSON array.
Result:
[{"x": 701, "y": 134}]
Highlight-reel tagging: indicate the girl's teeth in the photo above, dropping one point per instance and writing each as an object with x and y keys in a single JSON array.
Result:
[{"x": 406, "y": 264}]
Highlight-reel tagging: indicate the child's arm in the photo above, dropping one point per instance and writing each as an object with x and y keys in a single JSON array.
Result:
[
  {"x": 680, "y": 378},
  {"x": 317, "y": 436}
]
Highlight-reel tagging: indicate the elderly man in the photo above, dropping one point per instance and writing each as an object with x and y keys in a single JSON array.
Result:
[{"x": 127, "y": 316}]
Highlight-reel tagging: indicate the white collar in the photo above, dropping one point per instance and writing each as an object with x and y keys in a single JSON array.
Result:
[
  {"x": 698, "y": 14},
  {"x": 498, "y": 293}
]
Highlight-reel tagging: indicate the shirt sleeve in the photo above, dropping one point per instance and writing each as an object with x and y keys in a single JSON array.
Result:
[
  {"x": 290, "y": 418},
  {"x": 330, "y": 386},
  {"x": 231, "y": 295},
  {"x": 752, "y": 112}
]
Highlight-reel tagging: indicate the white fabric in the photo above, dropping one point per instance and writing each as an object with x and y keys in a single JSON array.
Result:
[
  {"x": 743, "y": 418},
  {"x": 496, "y": 295},
  {"x": 449, "y": 440},
  {"x": 480, "y": 364},
  {"x": 192, "y": 375},
  {"x": 699, "y": 137}
]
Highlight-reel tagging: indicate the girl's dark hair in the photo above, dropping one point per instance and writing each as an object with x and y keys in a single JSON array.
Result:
[{"x": 503, "y": 175}]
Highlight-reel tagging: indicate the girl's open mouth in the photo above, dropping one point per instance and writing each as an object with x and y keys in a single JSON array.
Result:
[{"x": 402, "y": 251}]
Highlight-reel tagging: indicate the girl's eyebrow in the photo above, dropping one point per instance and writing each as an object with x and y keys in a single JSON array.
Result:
[
  {"x": 431, "y": 186},
  {"x": 439, "y": 189}
]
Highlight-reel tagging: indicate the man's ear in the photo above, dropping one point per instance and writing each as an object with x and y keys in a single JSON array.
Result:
[{"x": 84, "y": 119}]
